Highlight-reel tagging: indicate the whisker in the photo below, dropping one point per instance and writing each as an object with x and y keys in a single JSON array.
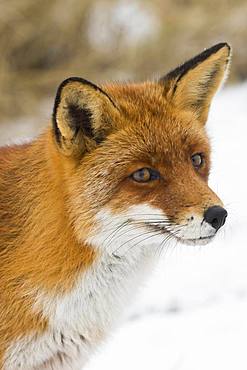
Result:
[
  {"x": 153, "y": 220},
  {"x": 155, "y": 232},
  {"x": 115, "y": 230},
  {"x": 137, "y": 223},
  {"x": 131, "y": 227},
  {"x": 166, "y": 238},
  {"x": 135, "y": 237},
  {"x": 134, "y": 223},
  {"x": 140, "y": 241}
]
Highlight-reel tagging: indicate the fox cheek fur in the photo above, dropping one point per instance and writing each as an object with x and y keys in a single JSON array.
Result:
[{"x": 122, "y": 170}]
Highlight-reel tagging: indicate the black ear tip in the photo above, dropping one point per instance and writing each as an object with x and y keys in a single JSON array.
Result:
[
  {"x": 220, "y": 46},
  {"x": 212, "y": 50},
  {"x": 67, "y": 81},
  {"x": 195, "y": 61},
  {"x": 70, "y": 80},
  {"x": 227, "y": 45}
]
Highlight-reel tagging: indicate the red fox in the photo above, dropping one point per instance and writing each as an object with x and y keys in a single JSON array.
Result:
[{"x": 121, "y": 171}]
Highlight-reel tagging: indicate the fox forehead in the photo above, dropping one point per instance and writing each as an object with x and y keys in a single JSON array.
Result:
[
  {"x": 150, "y": 127},
  {"x": 131, "y": 96}
]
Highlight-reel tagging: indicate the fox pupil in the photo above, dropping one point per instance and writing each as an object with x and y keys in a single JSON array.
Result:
[
  {"x": 145, "y": 175},
  {"x": 197, "y": 160}
]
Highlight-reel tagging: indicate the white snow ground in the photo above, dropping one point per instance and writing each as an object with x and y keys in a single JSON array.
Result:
[{"x": 192, "y": 315}]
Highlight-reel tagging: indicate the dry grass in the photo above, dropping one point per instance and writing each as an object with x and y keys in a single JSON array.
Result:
[{"x": 43, "y": 42}]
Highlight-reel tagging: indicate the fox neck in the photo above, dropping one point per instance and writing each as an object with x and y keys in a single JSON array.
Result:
[{"x": 41, "y": 240}]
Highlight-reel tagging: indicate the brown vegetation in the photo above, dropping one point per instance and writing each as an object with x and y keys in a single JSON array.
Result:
[{"x": 44, "y": 41}]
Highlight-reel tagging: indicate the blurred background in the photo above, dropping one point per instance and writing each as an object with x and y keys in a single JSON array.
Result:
[
  {"x": 192, "y": 314},
  {"x": 44, "y": 41}
]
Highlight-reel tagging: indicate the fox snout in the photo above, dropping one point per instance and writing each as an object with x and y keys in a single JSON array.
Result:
[
  {"x": 215, "y": 216},
  {"x": 200, "y": 227}
]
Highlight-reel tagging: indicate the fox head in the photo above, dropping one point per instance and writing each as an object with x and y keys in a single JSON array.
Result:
[{"x": 135, "y": 158}]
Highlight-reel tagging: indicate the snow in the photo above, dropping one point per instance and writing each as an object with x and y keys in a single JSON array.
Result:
[{"x": 192, "y": 313}]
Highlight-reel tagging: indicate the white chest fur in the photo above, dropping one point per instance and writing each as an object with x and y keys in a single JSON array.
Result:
[{"x": 80, "y": 320}]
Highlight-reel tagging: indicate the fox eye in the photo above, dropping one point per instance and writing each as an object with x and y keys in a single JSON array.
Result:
[
  {"x": 197, "y": 160},
  {"x": 145, "y": 175}
]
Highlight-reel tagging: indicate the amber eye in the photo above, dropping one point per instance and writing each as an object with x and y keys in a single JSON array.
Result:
[
  {"x": 197, "y": 160},
  {"x": 145, "y": 175}
]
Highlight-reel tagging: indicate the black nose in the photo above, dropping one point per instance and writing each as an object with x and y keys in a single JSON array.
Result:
[{"x": 215, "y": 216}]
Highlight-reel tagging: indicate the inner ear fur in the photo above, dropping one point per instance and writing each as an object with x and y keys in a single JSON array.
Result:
[
  {"x": 81, "y": 116},
  {"x": 192, "y": 85}
]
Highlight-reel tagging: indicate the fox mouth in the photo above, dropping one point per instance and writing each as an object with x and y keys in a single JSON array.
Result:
[{"x": 202, "y": 240}]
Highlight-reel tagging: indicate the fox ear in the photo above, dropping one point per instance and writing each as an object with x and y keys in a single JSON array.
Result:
[
  {"x": 193, "y": 85},
  {"x": 79, "y": 112}
]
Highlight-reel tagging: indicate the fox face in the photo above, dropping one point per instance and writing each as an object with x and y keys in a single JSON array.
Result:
[{"x": 135, "y": 158}]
